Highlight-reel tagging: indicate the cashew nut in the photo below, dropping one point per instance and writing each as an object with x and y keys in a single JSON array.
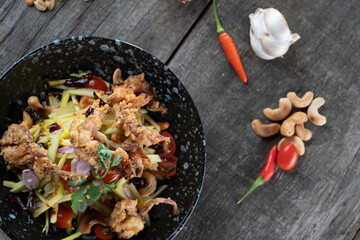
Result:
[
  {"x": 117, "y": 77},
  {"x": 30, "y": 3},
  {"x": 298, "y": 143},
  {"x": 35, "y": 105},
  {"x": 50, "y": 4},
  {"x": 265, "y": 130},
  {"x": 300, "y": 102},
  {"x": 302, "y": 132},
  {"x": 40, "y": 5},
  {"x": 163, "y": 125},
  {"x": 151, "y": 187},
  {"x": 27, "y": 120},
  {"x": 280, "y": 113},
  {"x": 288, "y": 126},
  {"x": 313, "y": 113}
]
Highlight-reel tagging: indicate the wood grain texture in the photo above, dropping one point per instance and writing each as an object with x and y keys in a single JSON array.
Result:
[
  {"x": 319, "y": 199},
  {"x": 156, "y": 26}
]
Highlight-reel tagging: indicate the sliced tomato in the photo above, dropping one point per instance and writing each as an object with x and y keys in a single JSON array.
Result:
[
  {"x": 103, "y": 233},
  {"x": 168, "y": 148},
  {"x": 167, "y": 167},
  {"x": 87, "y": 105},
  {"x": 67, "y": 167},
  {"x": 64, "y": 217},
  {"x": 96, "y": 83},
  {"x": 111, "y": 177}
]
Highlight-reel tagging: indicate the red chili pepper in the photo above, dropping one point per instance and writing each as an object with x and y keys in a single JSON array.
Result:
[
  {"x": 266, "y": 173},
  {"x": 229, "y": 48}
]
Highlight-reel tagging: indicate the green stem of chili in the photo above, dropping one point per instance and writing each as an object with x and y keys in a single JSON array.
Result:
[
  {"x": 219, "y": 29},
  {"x": 259, "y": 181}
]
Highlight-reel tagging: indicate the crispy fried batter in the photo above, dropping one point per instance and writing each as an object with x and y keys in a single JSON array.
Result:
[
  {"x": 19, "y": 150},
  {"x": 157, "y": 201},
  {"x": 132, "y": 87},
  {"x": 125, "y": 219},
  {"x": 126, "y": 119},
  {"x": 81, "y": 134}
]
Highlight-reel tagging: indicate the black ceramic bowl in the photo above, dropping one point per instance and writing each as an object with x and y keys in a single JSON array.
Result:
[{"x": 56, "y": 60}]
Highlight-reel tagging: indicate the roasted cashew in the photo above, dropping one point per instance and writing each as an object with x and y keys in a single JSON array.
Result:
[
  {"x": 117, "y": 76},
  {"x": 300, "y": 102},
  {"x": 313, "y": 113},
  {"x": 288, "y": 126},
  {"x": 298, "y": 143},
  {"x": 35, "y": 105},
  {"x": 303, "y": 133},
  {"x": 163, "y": 125},
  {"x": 30, "y": 3},
  {"x": 50, "y": 4},
  {"x": 265, "y": 130},
  {"x": 151, "y": 187},
  {"x": 280, "y": 113},
  {"x": 27, "y": 120}
]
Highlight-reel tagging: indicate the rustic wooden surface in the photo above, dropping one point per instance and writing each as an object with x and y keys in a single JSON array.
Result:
[{"x": 320, "y": 198}]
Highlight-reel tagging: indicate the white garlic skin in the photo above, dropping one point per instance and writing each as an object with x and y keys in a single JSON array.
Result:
[{"x": 270, "y": 36}]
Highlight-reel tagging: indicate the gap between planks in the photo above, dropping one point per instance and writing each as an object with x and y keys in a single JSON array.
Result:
[{"x": 183, "y": 39}]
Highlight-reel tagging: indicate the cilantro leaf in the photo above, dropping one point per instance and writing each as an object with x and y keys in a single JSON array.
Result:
[
  {"x": 110, "y": 186},
  {"x": 102, "y": 163},
  {"x": 105, "y": 154},
  {"x": 74, "y": 183},
  {"x": 92, "y": 194},
  {"x": 88, "y": 194},
  {"x": 116, "y": 161},
  {"x": 78, "y": 200}
]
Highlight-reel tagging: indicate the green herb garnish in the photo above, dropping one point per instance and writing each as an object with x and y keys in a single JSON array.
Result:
[
  {"x": 87, "y": 195},
  {"x": 110, "y": 186},
  {"x": 104, "y": 160}
]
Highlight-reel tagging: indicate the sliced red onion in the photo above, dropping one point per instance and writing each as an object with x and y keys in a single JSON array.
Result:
[
  {"x": 56, "y": 131},
  {"x": 83, "y": 167},
  {"x": 97, "y": 183},
  {"x": 127, "y": 192},
  {"x": 68, "y": 149},
  {"x": 30, "y": 179},
  {"x": 74, "y": 162}
]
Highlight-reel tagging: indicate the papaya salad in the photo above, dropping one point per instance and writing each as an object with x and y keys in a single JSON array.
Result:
[{"x": 90, "y": 159}]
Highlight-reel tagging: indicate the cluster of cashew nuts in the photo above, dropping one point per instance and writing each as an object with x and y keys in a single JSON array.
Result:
[{"x": 292, "y": 128}]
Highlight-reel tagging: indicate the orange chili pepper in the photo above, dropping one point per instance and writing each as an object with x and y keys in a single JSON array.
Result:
[{"x": 229, "y": 48}]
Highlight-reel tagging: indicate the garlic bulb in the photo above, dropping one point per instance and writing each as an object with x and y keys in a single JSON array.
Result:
[{"x": 270, "y": 36}]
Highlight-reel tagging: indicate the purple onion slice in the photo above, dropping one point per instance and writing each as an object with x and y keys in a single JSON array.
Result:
[{"x": 30, "y": 179}]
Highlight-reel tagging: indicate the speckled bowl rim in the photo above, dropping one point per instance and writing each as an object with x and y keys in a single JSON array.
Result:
[{"x": 202, "y": 178}]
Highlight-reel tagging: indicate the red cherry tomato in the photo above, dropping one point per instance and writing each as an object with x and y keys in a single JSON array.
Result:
[
  {"x": 64, "y": 217},
  {"x": 96, "y": 83},
  {"x": 287, "y": 157},
  {"x": 167, "y": 167},
  {"x": 169, "y": 149},
  {"x": 103, "y": 233},
  {"x": 111, "y": 177},
  {"x": 67, "y": 167}
]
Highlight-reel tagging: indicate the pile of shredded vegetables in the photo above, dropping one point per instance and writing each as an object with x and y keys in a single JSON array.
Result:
[{"x": 53, "y": 134}]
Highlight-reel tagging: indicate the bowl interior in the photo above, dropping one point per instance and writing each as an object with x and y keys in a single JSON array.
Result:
[{"x": 59, "y": 59}]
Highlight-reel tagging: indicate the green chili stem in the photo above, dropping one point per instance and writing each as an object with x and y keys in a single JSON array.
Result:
[
  {"x": 259, "y": 181},
  {"x": 219, "y": 29}
]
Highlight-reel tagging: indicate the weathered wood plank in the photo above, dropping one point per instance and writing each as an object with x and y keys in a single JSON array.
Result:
[
  {"x": 319, "y": 199},
  {"x": 157, "y": 26}
]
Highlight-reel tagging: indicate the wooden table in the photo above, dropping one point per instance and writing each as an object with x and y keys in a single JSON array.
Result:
[{"x": 320, "y": 198}]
